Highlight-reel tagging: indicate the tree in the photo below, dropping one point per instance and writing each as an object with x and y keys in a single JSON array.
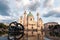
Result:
[
  {"x": 50, "y": 27},
  {"x": 3, "y": 26}
]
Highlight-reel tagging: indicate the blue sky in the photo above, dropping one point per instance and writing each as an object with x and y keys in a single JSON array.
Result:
[{"x": 11, "y": 10}]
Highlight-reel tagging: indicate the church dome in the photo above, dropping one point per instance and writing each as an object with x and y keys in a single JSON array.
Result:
[{"x": 30, "y": 14}]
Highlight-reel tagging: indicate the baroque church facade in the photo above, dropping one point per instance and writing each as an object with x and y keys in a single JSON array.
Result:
[{"x": 29, "y": 23}]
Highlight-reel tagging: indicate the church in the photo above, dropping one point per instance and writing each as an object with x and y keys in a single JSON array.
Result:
[{"x": 29, "y": 23}]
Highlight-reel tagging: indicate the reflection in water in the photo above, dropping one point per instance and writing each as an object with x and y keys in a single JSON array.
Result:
[
  {"x": 38, "y": 35},
  {"x": 33, "y": 36},
  {"x": 53, "y": 35}
]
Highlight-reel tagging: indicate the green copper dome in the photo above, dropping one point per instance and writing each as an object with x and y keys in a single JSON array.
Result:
[{"x": 30, "y": 14}]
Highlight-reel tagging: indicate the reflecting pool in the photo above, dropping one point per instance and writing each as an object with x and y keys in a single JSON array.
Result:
[{"x": 37, "y": 35}]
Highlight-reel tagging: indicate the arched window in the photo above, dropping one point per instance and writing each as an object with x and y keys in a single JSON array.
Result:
[{"x": 31, "y": 19}]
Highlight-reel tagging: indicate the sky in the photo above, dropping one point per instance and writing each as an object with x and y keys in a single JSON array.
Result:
[{"x": 11, "y": 10}]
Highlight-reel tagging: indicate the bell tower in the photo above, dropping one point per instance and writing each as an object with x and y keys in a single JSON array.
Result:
[
  {"x": 25, "y": 18},
  {"x": 37, "y": 19},
  {"x": 21, "y": 19}
]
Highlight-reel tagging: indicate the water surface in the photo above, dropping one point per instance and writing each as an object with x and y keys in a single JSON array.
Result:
[{"x": 37, "y": 35}]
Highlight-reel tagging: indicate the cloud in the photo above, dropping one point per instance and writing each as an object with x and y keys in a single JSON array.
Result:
[
  {"x": 4, "y": 9},
  {"x": 48, "y": 3},
  {"x": 31, "y": 5},
  {"x": 34, "y": 6},
  {"x": 7, "y": 19},
  {"x": 53, "y": 14}
]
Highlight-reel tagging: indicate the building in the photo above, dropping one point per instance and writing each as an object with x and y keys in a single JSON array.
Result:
[
  {"x": 29, "y": 23},
  {"x": 46, "y": 25}
]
